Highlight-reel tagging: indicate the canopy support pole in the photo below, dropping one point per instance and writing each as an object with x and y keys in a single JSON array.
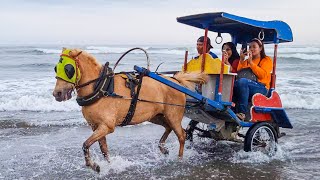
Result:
[
  {"x": 221, "y": 79},
  {"x": 273, "y": 75},
  {"x": 204, "y": 51},
  {"x": 185, "y": 65}
]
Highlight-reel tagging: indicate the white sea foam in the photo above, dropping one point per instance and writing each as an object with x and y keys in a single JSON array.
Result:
[
  {"x": 259, "y": 157},
  {"x": 300, "y": 101},
  {"x": 36, "y": 103},
  {"x": 32, "y": 95},
  {"x": 117, "y": 165},
  {"x": 48, "y": 51}
]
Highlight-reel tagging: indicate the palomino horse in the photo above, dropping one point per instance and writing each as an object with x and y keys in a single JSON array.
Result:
[{"x": 108, "y": 112}]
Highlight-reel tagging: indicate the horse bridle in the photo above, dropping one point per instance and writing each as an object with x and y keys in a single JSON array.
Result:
[{"x": 77, "y": 62}]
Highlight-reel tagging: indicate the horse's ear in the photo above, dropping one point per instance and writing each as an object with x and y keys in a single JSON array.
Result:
[{"x": 63, "y": 49}]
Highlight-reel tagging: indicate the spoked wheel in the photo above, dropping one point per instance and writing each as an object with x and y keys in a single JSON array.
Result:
[
  {"x": 197, "y": 131},
  {"x": 261, "y": 137}
]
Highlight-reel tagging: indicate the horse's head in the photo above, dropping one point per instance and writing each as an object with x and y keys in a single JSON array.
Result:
[{"x": 67, "y": 74}]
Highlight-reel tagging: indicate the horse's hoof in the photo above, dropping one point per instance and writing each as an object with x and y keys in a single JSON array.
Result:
[
  {"x": 96, "y": 167},
  {"x": 189, "y": 146},
  {"x": 166, "y": 152}
]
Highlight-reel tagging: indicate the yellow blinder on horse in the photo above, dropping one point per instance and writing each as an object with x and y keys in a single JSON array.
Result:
[{"x": 66, "y": 69}]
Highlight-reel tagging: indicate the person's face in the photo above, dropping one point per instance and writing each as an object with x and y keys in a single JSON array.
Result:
[
  {"x": 227, "y": 49},
  {"x": 200, "y": 47},
  {"x": 254, "y": 48}
]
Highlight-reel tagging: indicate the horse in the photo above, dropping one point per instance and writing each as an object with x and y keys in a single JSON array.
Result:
[{"x": 108, "y": 112}]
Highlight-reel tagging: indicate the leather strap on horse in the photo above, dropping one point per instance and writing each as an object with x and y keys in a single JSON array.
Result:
[
  {"x": 133, "y": 103},
  {"x": 103, "y": 88},
  {"x": 131, "y": 83}
]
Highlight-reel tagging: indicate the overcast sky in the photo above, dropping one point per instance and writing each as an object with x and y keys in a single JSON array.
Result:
[{"x": 141, "y": 21}]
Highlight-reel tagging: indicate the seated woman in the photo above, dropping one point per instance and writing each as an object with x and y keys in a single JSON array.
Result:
[
  {"x": 261, "y": 66},
  {"x": 231, "y": 56}
]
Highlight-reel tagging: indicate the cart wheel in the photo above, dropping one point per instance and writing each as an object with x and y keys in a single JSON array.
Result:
[
  {"x": 261, "y": 137},
  {"x": 199, "y": 132}
]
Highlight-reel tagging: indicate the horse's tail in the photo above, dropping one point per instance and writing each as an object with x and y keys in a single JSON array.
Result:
[{"x": 190, "y": 79}]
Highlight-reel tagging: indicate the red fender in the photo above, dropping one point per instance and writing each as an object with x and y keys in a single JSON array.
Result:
[{"x": 260, "y": 100}]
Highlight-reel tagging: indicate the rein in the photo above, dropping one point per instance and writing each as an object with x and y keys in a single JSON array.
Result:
[{"x": 92, "y": 81}]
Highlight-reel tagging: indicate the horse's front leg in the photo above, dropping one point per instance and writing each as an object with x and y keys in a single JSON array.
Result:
[
  {"x": 104, "y": 148},
  {"x": 99, "y": 133}
]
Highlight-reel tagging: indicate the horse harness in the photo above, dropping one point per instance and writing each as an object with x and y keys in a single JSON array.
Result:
[{"x": 104, "y": 87}]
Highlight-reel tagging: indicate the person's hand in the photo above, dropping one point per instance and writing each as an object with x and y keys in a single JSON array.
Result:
[
  {"x": 243, "y": 55},
  {"x": 250, "y": 58},
  {"x": 225, "y": 58}
]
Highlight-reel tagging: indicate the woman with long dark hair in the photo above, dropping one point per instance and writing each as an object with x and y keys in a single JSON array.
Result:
[
  {"x": 231, "y": 56},
  {"x": 261, "y": 66}
]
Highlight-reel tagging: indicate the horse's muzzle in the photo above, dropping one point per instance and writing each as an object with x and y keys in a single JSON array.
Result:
[{"x": 62, "y": 95}]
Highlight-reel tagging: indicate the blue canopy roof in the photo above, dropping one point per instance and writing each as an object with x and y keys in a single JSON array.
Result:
[{"x": 241, "y": 29}]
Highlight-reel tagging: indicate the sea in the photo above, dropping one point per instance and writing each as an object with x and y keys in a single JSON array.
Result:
[{"x": 42, "y": 139}]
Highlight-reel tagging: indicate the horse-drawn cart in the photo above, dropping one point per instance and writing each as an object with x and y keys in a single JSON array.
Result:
[{"x": 213, "y": 104}]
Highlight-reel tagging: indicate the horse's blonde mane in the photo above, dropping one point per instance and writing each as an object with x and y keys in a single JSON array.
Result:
[
  {"x": 85, "y": 56},
  {"x": 189, "y": 79}
]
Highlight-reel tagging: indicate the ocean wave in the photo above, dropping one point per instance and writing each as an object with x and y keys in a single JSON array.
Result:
[
  {"x": 300, "y": 101},
  {"x": 312, "y": 53},
  {"x": 150, "y": 50},
  {"x": 300, "y": 56},
  {"x": 32, "y": 95},
  {"x": 286, "y": 50},
  {"x": 106, "y": 49},
  {"x": 37, "y": 65},
  {"x": 112, "y": 50},
  {"x": 36, "y": 103},
  {"x": 36, "y": 96},
  {"x": 45, "y": 51},
  {"x": 31, "y": 123}
]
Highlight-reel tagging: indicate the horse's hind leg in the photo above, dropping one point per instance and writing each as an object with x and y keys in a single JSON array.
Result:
[
  {"x": 174, "y": 121},
  {"x": 99, "y": 133},
  {"x": 181, "y": 134},
  {"x": 160, "y": 120}
]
